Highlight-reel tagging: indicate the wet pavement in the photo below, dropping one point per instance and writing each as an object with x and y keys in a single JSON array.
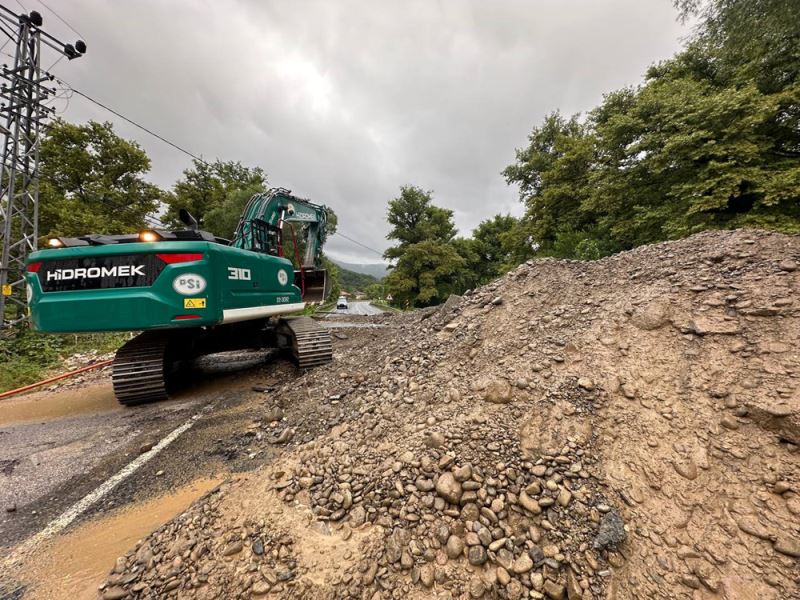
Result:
[{"x": 357, "y": 308}]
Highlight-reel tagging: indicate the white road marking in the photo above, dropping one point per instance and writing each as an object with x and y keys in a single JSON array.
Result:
[{"x": 77, "y": 509}]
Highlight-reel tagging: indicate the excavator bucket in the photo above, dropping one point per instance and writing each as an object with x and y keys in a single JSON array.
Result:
[{"x": 314, "y": 283}]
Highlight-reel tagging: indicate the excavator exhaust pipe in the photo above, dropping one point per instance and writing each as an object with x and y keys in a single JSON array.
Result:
[{"x": 314, "y": 283}]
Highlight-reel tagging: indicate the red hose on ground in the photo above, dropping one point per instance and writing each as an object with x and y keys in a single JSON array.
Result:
[{"x": 102, "y": 363}]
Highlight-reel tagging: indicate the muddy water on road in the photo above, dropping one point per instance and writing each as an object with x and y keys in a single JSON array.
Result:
[
  {"x": 73, "y": 565},
  {"x": 48, "y": 405}
]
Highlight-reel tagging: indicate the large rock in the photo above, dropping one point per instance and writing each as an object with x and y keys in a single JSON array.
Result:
[
  {"x": 529, "y": 504},
  {"x": 718, "y": 326},
  {"x": 523, "y": 564},
  {"x": 448, "y": 488},
  {"x": 652, "y": 316},
  {"x": 788, "y": 546},
  {"x": 115, "y": 593},
  {"x": 454, "y": 547},
  {"x": 498, "y": 391},
  {"x": 546, "y": 432},
  {"x": 612, "y": 531},
  {"x": 554, "y": 591},
  {"x": 476, "y": 555},
  {"x": 450, "y": 304},
  {"x": 781, "y": 415}
]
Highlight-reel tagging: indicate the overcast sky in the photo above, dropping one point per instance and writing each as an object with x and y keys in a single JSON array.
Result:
[{"x": 344, "y": 102}]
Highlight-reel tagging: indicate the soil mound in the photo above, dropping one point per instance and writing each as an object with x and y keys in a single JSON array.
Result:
[{"x": 625, "y": 428}]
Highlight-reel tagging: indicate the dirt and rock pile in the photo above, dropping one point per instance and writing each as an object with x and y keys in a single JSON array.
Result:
[{"x": 625, "y": 428}]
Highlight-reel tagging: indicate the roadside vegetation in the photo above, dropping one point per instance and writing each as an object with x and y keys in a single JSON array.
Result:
[
  {"x": 384, "y": 305},
  {"x": 28, "y": 357}
]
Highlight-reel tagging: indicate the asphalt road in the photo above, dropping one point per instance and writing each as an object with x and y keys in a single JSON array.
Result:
[
  {"x": 358, "y": 307},
  {"x": 58, "y": 448}
]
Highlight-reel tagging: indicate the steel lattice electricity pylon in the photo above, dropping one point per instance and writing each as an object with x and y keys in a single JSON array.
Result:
[{"x": 22, "y": 95}]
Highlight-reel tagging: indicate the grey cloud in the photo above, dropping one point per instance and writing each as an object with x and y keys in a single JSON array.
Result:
[{"x": 343, "y": 102}]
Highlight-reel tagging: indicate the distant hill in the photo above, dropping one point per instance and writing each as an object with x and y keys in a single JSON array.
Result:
[
  {"x": 354, "y": 282},
  {"x": 377, "y": 270}
]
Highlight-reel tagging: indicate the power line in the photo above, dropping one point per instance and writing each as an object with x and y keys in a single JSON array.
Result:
[
  {"x": 132, "y": 122},
  {"x": 187, "y": 152},
  {"x": 9, "y": 40},
  {"x": 60, "y": 18},
  {"x": 58, "y": 60},
  {"x": 378, "y": 252}
]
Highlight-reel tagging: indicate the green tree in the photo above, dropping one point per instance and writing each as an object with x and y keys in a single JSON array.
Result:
[
  {"x": 215, "y": 193},
  {"x": 414, "y": 219},
  {"x": 425, "y": 274},
  {"x": 375, "y": 291},
  {"x": 498, "y": 249},
  {"x": 494, "y": 248},
  {"x": 427, "y": 266},
  {"x": 553, "y": 177},
  {"x": 222, "y": 219},
  {"x": 92, "y": 181},
  {"x": 749, "y": 40},
  {"x": 474, "y": 272},
  {"x": 355, "y": 282},
  {"x": 686, "y": 154},
  {"x": 333, "y": 276},
  {"x": 711, "y": 139}
]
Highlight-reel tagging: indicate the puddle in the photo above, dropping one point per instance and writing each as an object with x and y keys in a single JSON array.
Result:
[
  {"x": 74, "y": 564},
  {"x": 211, "y": 373},
  {"x": 45, "y": 405}
]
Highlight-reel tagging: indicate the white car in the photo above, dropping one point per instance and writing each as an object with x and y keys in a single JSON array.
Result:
[{"x": 341, "y": 303}]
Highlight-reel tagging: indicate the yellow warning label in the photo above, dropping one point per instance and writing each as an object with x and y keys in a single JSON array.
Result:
[
  {"x": 6, "y": 289},
  {"x": 194, "y": 303}
]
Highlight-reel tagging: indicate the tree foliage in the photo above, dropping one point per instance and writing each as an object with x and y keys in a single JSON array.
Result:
[
  {"x": 493, "y": 249},
  {"x": 375, "y": 291},
  {"x": 427, "y": 264},
  {"x": 425, "y": 274},
  {"x": 415, "y": 219},
  {"x": 355, "y": 282},
  {"x": 711, "y": 139},
  {"x": 215, "y": 194},
  {"x": 92, "y": 181}
]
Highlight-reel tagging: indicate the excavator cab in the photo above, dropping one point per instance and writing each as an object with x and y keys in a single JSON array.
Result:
[
  {"x": 280, "y": 224},
  {"x": 314, "y": 284}
]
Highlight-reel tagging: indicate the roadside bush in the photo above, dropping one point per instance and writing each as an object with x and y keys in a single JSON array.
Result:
[{"x": 27, "y": 356}]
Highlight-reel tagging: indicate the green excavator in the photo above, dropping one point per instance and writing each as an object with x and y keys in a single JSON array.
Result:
[{"x": 189, "y": 292}]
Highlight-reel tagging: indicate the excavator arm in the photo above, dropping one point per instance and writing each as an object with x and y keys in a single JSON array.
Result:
[{"x": 271, "y": 218}]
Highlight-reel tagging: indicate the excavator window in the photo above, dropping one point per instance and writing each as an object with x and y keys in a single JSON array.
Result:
[{"x": 264, "y": 237}]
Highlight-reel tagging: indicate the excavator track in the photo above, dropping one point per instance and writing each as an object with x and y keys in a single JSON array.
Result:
[
  {"x": 311, "y": 344},
  {"x": 141, "y": 368},
  {"x": 144, "y": 368}
]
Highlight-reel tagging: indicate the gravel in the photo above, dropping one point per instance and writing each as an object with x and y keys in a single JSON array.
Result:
[{"x": 561, "y": 430}]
